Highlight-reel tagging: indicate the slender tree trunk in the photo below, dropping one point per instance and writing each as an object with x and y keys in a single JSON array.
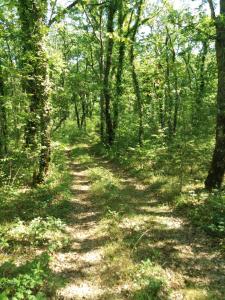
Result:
[
  {"x": 138, "y": 97},
  {"x": 217, "y": 168},
  {"x": 101, "y": 70},
  {"x": 177, "y": 95},
  {"x": 108, "y": 64},
  {"x": 119, "y": 72},
  {"x": 3, "y": 118},
  {"x": 135, "y": 80},
  {"x": 201, "y": 89},
  {"x": 84, "y": 109},
  {"x": 77, "y": 112},
  {"x": 168, "y": 99}
]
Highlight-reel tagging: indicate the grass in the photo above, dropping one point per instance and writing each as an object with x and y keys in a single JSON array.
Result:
[
  {"x": 145, "y": 236},
  {"x": 175, "y": 173},
  {"x": 148, "y": 252},
  {"x": 139, "y": 280},
  {"x": 32, "y": 228}
]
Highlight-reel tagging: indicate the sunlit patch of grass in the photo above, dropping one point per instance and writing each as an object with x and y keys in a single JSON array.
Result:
[
  {"x": 40, "y": 232},
  {"x": 200, "y": 294},
  {"x": 80, "y": 152},
  {"x": 105, "y": 185},
  {"x": 150, "y": 282},
  {"x": 118, "y": 265},
  {"x": 143, "y": 277}
]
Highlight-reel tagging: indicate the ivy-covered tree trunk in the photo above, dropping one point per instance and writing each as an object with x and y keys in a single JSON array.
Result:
[
  {"x": 3, "y": 118},
  {"x": 32, "y": 15},
  {"x": 217, "y": 168}
]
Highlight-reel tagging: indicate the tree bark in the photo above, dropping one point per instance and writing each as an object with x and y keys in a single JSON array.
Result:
[
  {"x": 32, "y": 16},
  {"x": 138, "y": 97},
  {"x": 3, "y": 118},
  {"x": 107, "y": 68},
  {"x": 217, "y": 168},
  {"x": 119, "y": 72},
  {"x": 135, "y": 80}
]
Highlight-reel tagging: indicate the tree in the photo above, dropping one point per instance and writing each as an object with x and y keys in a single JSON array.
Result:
[
  {"x": 217, "y": 168},
  {"x": 135, "y": 80},
  {"x": 3, "y": 118},
  {"x": 111, "y": 10},
  {"x": 32, "y": 15}
]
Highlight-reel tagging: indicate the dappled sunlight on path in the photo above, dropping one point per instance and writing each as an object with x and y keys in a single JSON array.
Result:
[
  {"x": 127, "y": 244},
  {"x": 78, "y": 264}
]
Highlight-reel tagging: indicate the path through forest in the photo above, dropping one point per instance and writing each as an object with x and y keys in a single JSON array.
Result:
[{"x": 127, "y": 244}]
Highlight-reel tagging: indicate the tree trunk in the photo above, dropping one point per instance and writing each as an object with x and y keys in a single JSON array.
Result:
[
  {"x": 138, "y": 97},
  {"x": 135, "y": 80},
  {"x": 101, "y": 70},
  {"x": 217, "y": 168},
  {"x": 119, "y": 72},
  {"x": 35, "y": 81},
  {"x": 200, "y": 93},
  {"x": 77, "y": 112},
  {"x": 84, "y": 110},
  {"x": 108, "y": 64},
  {"x": 3, "y": 118}
]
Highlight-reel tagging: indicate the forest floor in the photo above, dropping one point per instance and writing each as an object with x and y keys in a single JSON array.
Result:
[{"x": 126, "y": 243}]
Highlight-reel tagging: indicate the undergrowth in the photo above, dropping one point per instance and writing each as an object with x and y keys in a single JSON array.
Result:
[
  {"x": 174, "y": 173},
  {"x": 32, "y": 228},
  {"x": 140, "y": 254}
]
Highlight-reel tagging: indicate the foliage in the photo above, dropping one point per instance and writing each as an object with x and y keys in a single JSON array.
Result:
[
  {"x": 30, "y": 281},
  {"x": 31, "y": 222},
  {"x": 139, "y": 80},
  {"x": 207, "y": 212}
]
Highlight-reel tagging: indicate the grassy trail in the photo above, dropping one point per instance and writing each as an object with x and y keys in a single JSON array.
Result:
[{"x": 127, "y": 244}]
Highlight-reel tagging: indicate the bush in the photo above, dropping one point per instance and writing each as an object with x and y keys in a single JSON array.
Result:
[{"x": 31, "y": 281}]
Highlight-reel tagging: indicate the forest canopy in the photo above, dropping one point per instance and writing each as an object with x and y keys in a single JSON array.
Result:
[{"x": 142, "y": 84}]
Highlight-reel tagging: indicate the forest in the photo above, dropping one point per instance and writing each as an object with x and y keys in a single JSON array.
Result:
[{"x": 112, "y": 149}]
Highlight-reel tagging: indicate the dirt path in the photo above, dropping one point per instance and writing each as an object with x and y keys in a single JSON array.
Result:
[
  {"x": 78, "y": 265},
  {"x": 182, "y": 260}
]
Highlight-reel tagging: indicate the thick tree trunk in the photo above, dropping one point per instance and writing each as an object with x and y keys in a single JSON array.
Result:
[
  {"x": 216, "y": 171},
  {"x": 35, "y": 81}
]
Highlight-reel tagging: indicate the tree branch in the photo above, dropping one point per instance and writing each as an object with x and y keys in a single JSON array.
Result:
[
  {"x": 63, "y": 12},
  {"x": 212, "y": 9}
]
